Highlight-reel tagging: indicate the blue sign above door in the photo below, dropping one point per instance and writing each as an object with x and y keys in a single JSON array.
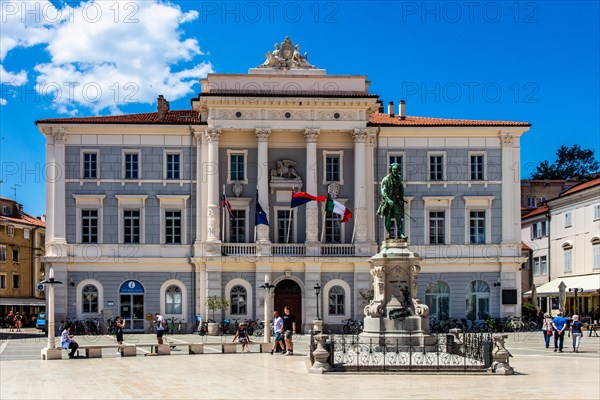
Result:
[{"x": 131, "y": 286}]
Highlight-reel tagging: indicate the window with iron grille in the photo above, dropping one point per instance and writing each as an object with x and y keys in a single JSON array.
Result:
[
  {"x": 89, "y": 226},
  {"x": 90, "y": 166},
  {"x": 477, "y": 227},
  {"x": 131, "y": 166},
  {"x": 437, "y": 227},
  {"x": 237, "y": 228},
  {"x": 173, "y": 227},
  {"x": 89, "y": 299},
  {"x": 131, "y": 226}
]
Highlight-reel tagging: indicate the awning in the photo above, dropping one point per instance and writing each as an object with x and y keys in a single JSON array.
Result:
[
  {"x": 589, "y": 284},
  {"x": 17, "y": 301}
]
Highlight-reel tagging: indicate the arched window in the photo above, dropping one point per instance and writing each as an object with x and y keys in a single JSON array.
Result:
[
  {"x": 437, "y": 298},
  {"x": 173, "y": 300},
  {"x": 337, "y": 298},
  {"x": 478, "y": 300},
  {"x": 238, "y": 300},
  {"x": 89, "y": 299}
]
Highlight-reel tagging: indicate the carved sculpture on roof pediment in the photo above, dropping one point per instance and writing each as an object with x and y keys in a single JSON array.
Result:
[
  {"x": 286, "y": 57},
  {"x": 285, "y": 170}
]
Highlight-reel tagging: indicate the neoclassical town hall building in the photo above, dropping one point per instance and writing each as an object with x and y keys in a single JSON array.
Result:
[{"x": 135, "y": 223}]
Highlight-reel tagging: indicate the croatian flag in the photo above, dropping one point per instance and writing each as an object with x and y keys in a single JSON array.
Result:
[
  {"x": 339, "y": 209},
  {"x": 225, "y": 204},
  {"x": 299, "y": 198},
  {"x": 261, "y": 215}
]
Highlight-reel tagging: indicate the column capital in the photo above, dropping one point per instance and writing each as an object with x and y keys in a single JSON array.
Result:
[
  {"x": 311, "y": 135},
  {"x": 360, "y": 135},
  {"x": 213, "y": 134},
  {"x": 59, "y": 134},
  {"x": 262, "y": 134},
  {"x": 506, "y": 138}
]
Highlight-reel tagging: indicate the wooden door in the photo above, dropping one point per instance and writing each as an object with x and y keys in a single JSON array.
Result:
[{"x": 288, "y": 293}]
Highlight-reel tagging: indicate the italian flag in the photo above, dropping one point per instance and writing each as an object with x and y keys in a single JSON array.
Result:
[{"x": 339, "y": 209}]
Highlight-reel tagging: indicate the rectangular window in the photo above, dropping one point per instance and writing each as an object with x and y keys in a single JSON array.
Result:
[
  {"x": 333, "y": 231},
  {"x": 173, "y": 167},
  {"x": 2, "y": 253},
  {"x": 15, "y": 255},
  {"x": 531, "y": 202},
  {"x": 332, "y": 168},
  {"x": 90, "y": 166},
  {"x": 597, "y": 211},
  {"x": 26, "y": 234},
  {"x": 536, "y": 266},
  {"x": 2, "y": 281},
  {"x": 544, "y": 228},
  {"x": 437, "y": 227},
  {"x": 10, "y": 230},
  {"x": 237, "y": 228},
  {"x": 285, "y": 226},
  {"x": 477, "y": 167},
  {"x": 5, "y": 210},
  {"x": 596, "y": 252},
  {"x": 397, "y": 160},
  {"x": 567, "y": 219},
  {"x": 131, "y": 226},
  {"x": 89, "y": 226},
  {"x": 173, "y": 227},
  {"x": 131, "y": 165},
  {"x": 16, "y": 281},
  {"x": 236, "y": 167},
  {"x": 544, "y": 263},
  {"x": 436, "y": 168},
  {"x": 538, "y": 230},
  {"x": 477, "y": 227},
  {"x": 568, "y": 253}
]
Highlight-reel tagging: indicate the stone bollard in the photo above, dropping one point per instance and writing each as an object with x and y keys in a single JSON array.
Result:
[
  {"x": 321, "y": 355},
  {"x": 500, "y": 357}
]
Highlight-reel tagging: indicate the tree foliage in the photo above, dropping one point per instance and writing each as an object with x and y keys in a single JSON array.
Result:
[{"x": 571, "y": 163}]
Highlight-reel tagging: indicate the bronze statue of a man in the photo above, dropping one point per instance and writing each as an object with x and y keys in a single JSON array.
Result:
[{"x": 392, "y": 201}]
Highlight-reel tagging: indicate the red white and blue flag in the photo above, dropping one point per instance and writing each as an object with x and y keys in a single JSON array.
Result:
[
  {"x": 299, "y": 198},
  {"x": 225, "y": 204}
]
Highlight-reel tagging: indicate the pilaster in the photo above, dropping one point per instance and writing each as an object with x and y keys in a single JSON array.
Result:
[
  {"x": 262, "y": 137},
  {"x": 312, "y": 221},
  {"x": 211, "y": 172}
]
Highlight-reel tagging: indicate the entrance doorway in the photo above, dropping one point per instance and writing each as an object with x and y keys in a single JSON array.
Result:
[
  {"x": 131, "y": 305},
  {"x": 288, "y": 293}
]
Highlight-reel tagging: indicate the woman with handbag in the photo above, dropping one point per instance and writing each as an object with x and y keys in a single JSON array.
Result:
[{"x": 547, "y": 329}]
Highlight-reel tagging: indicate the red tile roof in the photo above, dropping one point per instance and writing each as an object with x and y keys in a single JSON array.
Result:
[
  {"x": 581, "y": 186},
  {"x": 524, "y": 247},
  {"x": 534, "y": 212},
  {"x": 176, "y": 117},
  {"x": 25, "y": 219},
  {"x": 381, "y": 119}
]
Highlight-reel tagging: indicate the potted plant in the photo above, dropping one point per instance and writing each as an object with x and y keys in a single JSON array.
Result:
[{"x": 214, "y": 303}]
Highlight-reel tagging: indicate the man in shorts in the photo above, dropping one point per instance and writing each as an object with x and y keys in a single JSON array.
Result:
[
  {"x": 278, "y": 329},
  {"x": 160, "y": 327},
  {"x": 289, "y": 329}
]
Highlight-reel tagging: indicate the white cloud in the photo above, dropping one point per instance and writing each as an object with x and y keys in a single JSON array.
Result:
[
  {"x": 107, "y": 54},
  {"x": 12, "y": 79},
  {"x": 3, "y": 102}
]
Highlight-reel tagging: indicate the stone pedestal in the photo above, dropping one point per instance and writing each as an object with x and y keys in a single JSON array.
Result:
[
  {"x": 317, "y": 325},
  {"x": 51, "y": 354},
  {"x": 321, "y": 355},
  {"x": 395, "y": 316}
]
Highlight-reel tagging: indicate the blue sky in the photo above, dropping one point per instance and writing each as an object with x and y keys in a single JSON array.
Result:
[{"x": 522, "y": 61}]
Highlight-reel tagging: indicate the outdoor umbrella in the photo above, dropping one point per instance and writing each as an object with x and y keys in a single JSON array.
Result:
[
  {"x": 534, "y": 297},
  {"x": 562, "y": 296}
]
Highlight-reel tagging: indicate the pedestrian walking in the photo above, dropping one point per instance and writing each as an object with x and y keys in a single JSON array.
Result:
[
  {"x": 120, "y": 325},
  {"x": 241, "y": 333},
  {"x": 278, "y": 329},
  {"x": 18, "y": 321},
  {"x": 160, "y": 327},
  {"x": 68, "y": 342},
  {"x": 547, "y": 329},
  {"x": 10, "y": 318},
  {"x": 289, "y": 329},
  {"x": 560, "y": 324},
  {"x": 575, "y": 331}
]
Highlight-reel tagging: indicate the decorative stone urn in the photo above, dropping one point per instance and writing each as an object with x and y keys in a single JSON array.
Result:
[{"x": 395, "y": 315}]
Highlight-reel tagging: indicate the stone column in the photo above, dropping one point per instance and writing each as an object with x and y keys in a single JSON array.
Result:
[
  {"x": 312, "y": 213},
  {"x": 198, "y": 138},
  {"x": 211, "y": 173},
  {"x": 262, "y": 136},
  {"x": 51, "y": 172},
  {"x": 360, "y": 186}
]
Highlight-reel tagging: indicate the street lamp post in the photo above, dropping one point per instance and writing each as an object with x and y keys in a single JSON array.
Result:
[
  {"x": 576, "y": 290},
  {"x": 267, "y": 328},
  {"x": 317, "y": 292},
  {"x": 50, "y": 352}
]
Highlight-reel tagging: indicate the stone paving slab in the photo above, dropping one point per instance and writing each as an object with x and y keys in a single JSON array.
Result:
[{"x": 541, "y": 374}]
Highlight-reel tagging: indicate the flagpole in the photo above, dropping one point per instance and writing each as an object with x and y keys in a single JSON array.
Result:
[
  {"x": 323, "y": 225},
  {"x": 287, "y": 239},
  {"x": 356, "y": 210}
]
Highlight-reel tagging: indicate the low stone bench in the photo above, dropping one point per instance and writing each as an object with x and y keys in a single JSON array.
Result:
[
  {"x": 193, "y": 348},
  {"x": 95, "y": 351}
]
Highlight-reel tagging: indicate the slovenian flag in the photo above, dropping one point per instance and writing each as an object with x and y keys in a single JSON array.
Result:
[
  {"x": 261, "y": 215},
  {"x": 225, "y": 204},
  {"x": 338, "y": 208},
  {"x": 299, "y": 198}
]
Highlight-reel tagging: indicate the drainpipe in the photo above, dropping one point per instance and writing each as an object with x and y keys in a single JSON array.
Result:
[{"x": 549, "y": 219}]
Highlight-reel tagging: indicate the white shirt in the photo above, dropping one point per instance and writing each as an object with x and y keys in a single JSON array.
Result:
[{"x": 278, "y": 324}]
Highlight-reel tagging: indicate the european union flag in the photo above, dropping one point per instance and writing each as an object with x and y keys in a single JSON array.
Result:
[{"x": 261, "y": 215}]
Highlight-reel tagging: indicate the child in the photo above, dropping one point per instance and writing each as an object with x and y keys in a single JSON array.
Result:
[{"x": 242, "y": 335}]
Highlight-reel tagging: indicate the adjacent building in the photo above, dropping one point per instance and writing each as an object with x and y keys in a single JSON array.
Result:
[
  {"x": 564, "y": 238},
  {"x": 22, "y": 239},
  {"x": 136, "y": 223}
]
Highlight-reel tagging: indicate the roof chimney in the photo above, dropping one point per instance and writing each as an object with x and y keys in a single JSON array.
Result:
[
  {"x": 380, "y": 105},
  {"x": 391, "y": 108},
  {"x": 162, "y": 106},
  {"x": 402, "y": 110}
]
